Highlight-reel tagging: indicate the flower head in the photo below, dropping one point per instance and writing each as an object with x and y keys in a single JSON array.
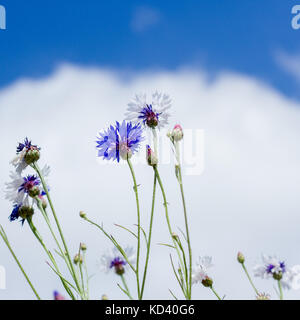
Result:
[
  {"x": 58, "y": 296},
  {"x": 272, "y": 267},
  {"x": 21, "y": 187},
  {"x": 152, "y": 113},
  {"x": 119, "y": 141},
  {"x": 200, "y": 272},
  {"x": 263, "y": 296},
  {"x": 113, "y": 260},
  {"x": 27, "y": 153}
]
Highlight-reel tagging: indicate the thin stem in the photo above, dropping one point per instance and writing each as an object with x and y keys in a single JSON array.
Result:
[
  {"x": 249, "y": 278},
  {"x": 44, "y": 213},
  {"x": 39, "y": 238},
  {"x": 113, "y": 241},
  {"x": 187, "y": 231},
  {"x": 36, "y": 167},
  {"x": 215, "y": 293},
  {"x": 168, "y": 219},
  {"x": 126, "y": 287},
  {"x": 150, "y": 235},
  {"x": 5, "y": 239},
  {"x": 280, "y": 290},
  {"x": 87, "y": 276},
  {"x": 139, "y": 225}
]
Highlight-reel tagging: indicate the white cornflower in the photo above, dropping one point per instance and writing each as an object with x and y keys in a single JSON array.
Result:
[
  {"x": 20, "y": 187},
  {"x": 200, "y": 271},
  {"x": 151, "y": 112},
  {"x": 272, "y": 267},
  {"x": 115, "y": 260}
]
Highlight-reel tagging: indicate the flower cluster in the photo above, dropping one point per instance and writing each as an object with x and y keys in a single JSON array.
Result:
[
  {"x": 23, "y": 188},
  {"x": 272, "y": 267}
]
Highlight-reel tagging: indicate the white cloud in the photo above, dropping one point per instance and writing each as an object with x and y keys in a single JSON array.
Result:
[
  {"x": 144, "y": 17},
  {"x": 247, "y": 198}
]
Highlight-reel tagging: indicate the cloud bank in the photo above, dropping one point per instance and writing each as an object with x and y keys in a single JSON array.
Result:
[{"x": 246, "y": 199}]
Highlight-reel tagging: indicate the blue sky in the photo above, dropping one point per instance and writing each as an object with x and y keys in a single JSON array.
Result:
[{"x": 242, "y": 36}]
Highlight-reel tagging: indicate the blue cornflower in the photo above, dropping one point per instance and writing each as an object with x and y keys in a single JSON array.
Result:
[
  {"x": 27, "y": 145},
  {"x": 121, "y": 140},
  {"x": 15, "y": 213}
]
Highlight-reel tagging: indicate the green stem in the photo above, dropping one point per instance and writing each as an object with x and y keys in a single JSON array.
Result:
[
  {"x": 168, "y": 219},
  {"x": 215, "y": 293},
  {"x": 36, "y": 167},
  {"x": 87, "y": 276},
  {"x": 249, "y": 278},
  {"x": 150, "y": 235},
  {"x": 126, "y": 287},
  {"x": 5, "y": 239},
  {"x": 280, "y": 290},
  {"x": 187, "y": 232},
  {"x": 139, "y": 227},
  {"x": 44, "y": 213},
  {"x": 39, "y": 238}
]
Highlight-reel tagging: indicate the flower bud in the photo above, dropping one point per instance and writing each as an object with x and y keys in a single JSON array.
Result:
[
  {"x": 207, "y": 282},
  {"x": 151, "y": 156},
  {"x": 177, "y": 133},
  {"x": 82, "y": 214},
  {"x": 78, "y": 259},
  {"x": 277, "y": 275},
  {"x": 26, "y": 212},
  {"x": 34, "y": 192},
  {"x": 119, "y": 269},
  {"x": 175, "y": 236},
  {"x": 83, "y": 246},
  {"x": 240, "y": 258},
  {"x": 104, "y": 297},
  {"x": 32, "y": 155}
]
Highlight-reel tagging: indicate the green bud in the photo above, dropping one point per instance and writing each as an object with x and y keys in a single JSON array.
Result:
[
  {"x": 240, "y": 258},
  {"x": 277, "y": 276},
  {"x": 26, "y": 212},
  {"x": 32, "y": 156},
  {"x": 83, "y": 246},
  {"x": 78, "y": 259},
  {"x": 82, "y": 214},
  {"x": 34, "y": 192},
  {"x": 207, "y": 282}
]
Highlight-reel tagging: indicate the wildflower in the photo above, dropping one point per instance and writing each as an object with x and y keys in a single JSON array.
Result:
[
  {"x": 21, "y": 187},
  {"x": 263, "y": 296},
  {"x": 27, "y": 153},
  {"x": 176, "y": 134},
  {"x": 151, "y": 156},
  {"x": 200, "y": 272},
  {"x": 274, "y": 268},
  {"x": 114, "y": 260},
  {"x": 152, "y": 113},
  {"x": 122, "y": 140},
  {"x": 58, "y": 296}
]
